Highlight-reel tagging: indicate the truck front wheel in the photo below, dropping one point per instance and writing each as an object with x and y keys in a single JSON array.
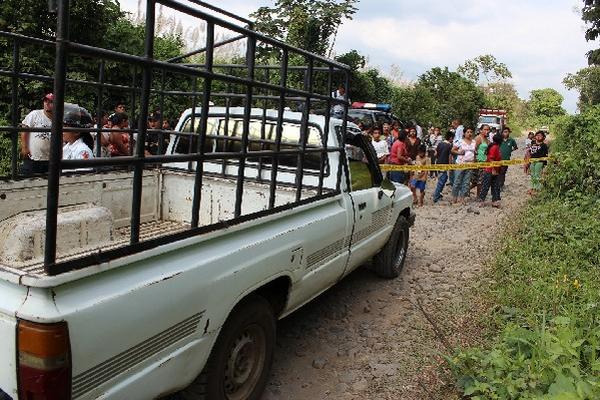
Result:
[
  {"x": 388, "y": 263},
  {"x": 240, "y": 361}
]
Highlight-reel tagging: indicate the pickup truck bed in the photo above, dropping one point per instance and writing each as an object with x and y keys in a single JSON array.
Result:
[{"x": 105, "y": 200}]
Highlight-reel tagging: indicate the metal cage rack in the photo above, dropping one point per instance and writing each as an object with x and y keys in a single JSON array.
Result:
[{"x": 247, "y": 84}]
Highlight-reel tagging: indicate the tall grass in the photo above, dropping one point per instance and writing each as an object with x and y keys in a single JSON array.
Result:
[{"x": 546, "y": 286}]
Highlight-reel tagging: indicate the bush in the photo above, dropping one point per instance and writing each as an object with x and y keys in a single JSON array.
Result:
[
  {"x": 577, "y": 151},
  {"x": 545, "y": 286},
  {"x": 5, "y": 157}
]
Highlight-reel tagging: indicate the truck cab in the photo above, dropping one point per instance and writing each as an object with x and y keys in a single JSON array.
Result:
[{"x": 494, "y": 118}]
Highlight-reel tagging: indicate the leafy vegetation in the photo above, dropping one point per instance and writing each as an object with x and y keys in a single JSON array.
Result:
[
  {"x": 591, "y": 16},
  {"x": 438, "y": 96},
  {"x": 485, "y": 68},
  {"x": 545, "y": 106},
  {"x": 545, "y": 286},
  {"x": 309, "y": 25},
  {"x": 587, "y": 82}
]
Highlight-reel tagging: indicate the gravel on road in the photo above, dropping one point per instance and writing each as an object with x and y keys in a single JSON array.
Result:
[{"x": 369, "y": 338}]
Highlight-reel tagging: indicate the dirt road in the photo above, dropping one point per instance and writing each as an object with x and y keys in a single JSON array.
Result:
[{"x": 367, "y": 338}]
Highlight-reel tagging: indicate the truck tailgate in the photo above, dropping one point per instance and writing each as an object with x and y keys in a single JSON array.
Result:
[{"x": 11, "y": 298}]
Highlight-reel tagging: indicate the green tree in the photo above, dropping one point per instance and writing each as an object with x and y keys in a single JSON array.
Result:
[
  {"x": 545, "y": 106},
  {"x": 587, "y": 82},
  {"x": 111, "y": 30},
  {"x": 591, "y": 16},
  {"x": 310, "y": 25},
  {"x": 485, "y": 70},
  {"x": 450, "y": 96},
  {"x": 504, "y": 95},
  {"x": 366, "y": 84}
]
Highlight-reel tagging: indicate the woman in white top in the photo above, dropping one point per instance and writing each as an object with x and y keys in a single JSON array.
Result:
[
  {"x": 77, "y": 145},
  {"x": 465, "y": 150}
]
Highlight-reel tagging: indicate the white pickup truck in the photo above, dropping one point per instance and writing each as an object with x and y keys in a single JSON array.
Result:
[
  {"x": 148, "y": 324},
  {"x": 148, "y": 274}
]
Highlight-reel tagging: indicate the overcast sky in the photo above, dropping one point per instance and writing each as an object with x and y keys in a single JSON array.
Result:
[{"x": 540, "y": 40}]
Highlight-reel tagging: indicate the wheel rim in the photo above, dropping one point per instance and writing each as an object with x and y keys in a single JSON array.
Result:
[
  {"x": 245, "y": 363},
  {"x": 400, "y": 251}
]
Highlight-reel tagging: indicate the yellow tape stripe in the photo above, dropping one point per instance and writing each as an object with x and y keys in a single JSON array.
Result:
[{"x": 455, "y": 167}]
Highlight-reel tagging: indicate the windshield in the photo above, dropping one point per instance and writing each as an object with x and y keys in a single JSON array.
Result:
[{"x": 489, "y": 119}]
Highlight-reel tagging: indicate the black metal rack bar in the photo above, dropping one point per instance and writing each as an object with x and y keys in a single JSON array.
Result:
[
  {"x": 196, "y": 201},
  {"x": 136, "y": 202},
  {"x": 239, "y": 192},
  {"x": 203, "y": 49},
  {"x": 259, "y": 100},
  {"x": 14, "y": 137},
  {"x": 279, "y": 126},
  {"x": 60, "y": 70},
  {"x": 99, "y": 110},
  {"x": 304, "y": 129}
]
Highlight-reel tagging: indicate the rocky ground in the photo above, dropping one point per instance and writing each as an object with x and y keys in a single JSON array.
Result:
[{"x": 369, "y": 338}]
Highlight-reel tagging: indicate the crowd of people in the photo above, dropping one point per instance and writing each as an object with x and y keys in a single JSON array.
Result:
[
  {"x": 393, "y": 143},
  {"x": 405, "y": 145},
  {"x": 116, "y": 138}
]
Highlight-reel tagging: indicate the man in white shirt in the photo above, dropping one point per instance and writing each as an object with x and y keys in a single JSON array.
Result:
[
  {"x": 35, "y": 146},
  {"x": 459, "y": 131},
  {"x": 380, "y": 146},
  {"x": 340, "y": 94}
]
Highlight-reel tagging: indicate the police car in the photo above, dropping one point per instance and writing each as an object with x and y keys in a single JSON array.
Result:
[{"x": 371, "y": 114}]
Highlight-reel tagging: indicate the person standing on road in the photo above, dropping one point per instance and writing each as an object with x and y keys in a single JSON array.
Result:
[
  {"x": 442, "y": 154},
  {"x": 458, "y": 129},
  {"x": 338, "y": 110},
  {"x": 399, "y": 156},
  {"x": 491, "y": 176},
  {"x": 481, "y": 148},
  {"x": 419, "y": 181},
  {"x": 528, "y": 142},
  {"x": 506, "y": 148},
  {"x": 380, "y": 146},
  {"x": 539, "y": 149},
  {"x": 35, "y": 146},
  {"x": 465, "y": 152},
  {"x": 413, "y": 143}
]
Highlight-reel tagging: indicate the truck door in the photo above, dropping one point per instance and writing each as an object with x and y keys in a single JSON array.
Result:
[{"x": 372, "y": 205}]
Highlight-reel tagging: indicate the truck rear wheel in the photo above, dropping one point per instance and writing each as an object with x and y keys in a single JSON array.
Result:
[
  {"x": 240, "y": 361},
  {"x": 388, "y": 263}
]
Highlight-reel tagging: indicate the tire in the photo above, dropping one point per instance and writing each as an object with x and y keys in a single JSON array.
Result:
[
  {"x": 388, "y": 263},
  {"x": 240, "y": 361}
]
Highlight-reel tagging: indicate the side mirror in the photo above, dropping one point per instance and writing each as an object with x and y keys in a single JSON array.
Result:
[{"x": 388, "y": 188}]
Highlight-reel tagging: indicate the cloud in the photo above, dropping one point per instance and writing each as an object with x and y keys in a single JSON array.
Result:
[{"x": 540, "y": 40}]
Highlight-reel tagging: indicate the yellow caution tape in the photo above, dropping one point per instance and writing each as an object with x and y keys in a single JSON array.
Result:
[{"x": 455, "y": 167}]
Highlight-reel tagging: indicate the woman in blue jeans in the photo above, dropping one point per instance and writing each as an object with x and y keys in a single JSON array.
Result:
[{"x": 465, "y": 152}]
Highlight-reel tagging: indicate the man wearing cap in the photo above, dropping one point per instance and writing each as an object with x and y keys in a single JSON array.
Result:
[{"x": 35, "y": 146}]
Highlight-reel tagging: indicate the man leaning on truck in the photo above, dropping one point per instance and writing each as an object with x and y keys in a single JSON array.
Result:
[{"x": 35, "y": 146}]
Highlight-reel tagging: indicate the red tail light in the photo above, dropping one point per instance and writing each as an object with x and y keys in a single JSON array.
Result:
[{"x": 44, "y": 361}]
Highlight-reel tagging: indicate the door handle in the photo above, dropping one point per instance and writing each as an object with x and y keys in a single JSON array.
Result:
[
  {"x": 380, "y": 195},
  {"x": 362, "y": 206}
]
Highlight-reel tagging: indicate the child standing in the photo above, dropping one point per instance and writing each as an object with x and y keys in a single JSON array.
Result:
[
  {"x": 419, "y": 180},
  {"x": 528, "y": 142},
  {"x": 539, "y": 149}
]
